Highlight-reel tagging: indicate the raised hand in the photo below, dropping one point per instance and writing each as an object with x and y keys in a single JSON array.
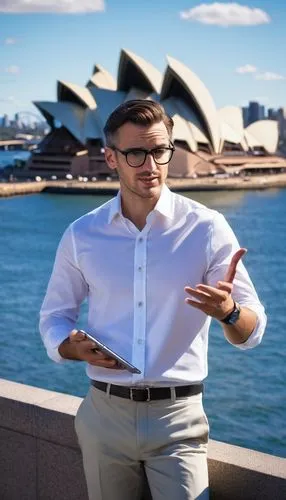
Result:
[{"x": 216, "y": 301}]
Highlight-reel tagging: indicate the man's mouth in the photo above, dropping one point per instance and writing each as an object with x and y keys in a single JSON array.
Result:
[{"x": 147, "y": 179}]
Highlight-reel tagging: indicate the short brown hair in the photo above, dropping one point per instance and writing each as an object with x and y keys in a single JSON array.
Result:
[{"x": 137, "y": 111}]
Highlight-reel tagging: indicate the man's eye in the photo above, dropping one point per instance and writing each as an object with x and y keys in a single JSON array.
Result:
[
  {"x": 137, "y": 152},
  {"x": 161, "y": 152}
]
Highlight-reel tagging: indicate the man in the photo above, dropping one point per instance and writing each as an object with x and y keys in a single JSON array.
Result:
[{"x": 156, "y": 267}]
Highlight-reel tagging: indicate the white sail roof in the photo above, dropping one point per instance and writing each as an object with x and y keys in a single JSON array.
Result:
[
  {"x": 133, "y": 71},
  {"x": 101, "y": 79},
  {"x": 230, "y": 134},
  {"x": 70, "y": 92},
  {"x": 232, "y": 115},
  {"x": 263, "y": 133},
  {"x": 199, "y": 136},
  {"x": 135, "y": 93},
  {"x": 81, "y": 123},
  {"x": 179, "y": 78},
  {"x": 91, "y": 127},
  {"x": 107, "y": 101},
  {"x": 182, "y": 130}
]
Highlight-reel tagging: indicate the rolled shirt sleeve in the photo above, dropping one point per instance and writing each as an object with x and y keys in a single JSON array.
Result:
[
  {"x": 222, "y": 245},
  {"x": 66, "y": 291}
]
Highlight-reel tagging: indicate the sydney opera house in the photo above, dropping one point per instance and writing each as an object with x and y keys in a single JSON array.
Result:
[{"x": 208, "y": 140}]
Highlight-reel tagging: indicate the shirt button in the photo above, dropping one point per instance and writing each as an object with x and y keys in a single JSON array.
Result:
[
  {"x": 140, "y": 240},
  {"x": 140, "y": 268},
  {"x": 140, "y": 341},
  {"x": 140, "y": 304}
]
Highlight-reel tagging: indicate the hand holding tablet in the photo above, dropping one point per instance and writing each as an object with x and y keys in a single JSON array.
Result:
[{"x": 123, "y": 363}]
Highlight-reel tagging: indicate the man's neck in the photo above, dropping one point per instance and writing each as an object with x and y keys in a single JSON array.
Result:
[{"x": 136, "y": 209}]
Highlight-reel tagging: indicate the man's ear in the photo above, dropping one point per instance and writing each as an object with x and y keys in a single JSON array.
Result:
[{"x": 110, "y": 158}]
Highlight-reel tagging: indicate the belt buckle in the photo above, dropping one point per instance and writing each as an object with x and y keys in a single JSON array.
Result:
[{"x": 137, "y": 389}]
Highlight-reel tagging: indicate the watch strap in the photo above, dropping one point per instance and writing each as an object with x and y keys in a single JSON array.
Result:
[{"x": 233, "y": 316}]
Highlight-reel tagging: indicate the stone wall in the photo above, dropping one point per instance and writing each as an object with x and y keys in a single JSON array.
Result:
[{"x": 40, "y": 458}]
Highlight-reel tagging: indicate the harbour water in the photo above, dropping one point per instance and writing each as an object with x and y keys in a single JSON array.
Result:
[
  {"x": 8, "y": 157},
  {"x": 245, "y": 391}
]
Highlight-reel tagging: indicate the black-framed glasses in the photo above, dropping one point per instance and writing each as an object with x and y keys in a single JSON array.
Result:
[{"x": 136, "y": 157}]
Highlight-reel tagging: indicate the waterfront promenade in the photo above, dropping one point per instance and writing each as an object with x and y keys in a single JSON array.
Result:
[{"x": 111, "y": 187}]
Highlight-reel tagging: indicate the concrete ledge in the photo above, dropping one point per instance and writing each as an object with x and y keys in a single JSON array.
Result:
[
  {"x": 241, "y": 474},
  {"x": 40, "y": 458}
]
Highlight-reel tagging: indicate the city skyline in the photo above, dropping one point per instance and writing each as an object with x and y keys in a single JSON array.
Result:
[{"x": 235, "y": 48}]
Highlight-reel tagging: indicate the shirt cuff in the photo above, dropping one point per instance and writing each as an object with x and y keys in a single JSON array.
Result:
[
  {"x": 53, "y": 339},
  {"x": 256, "y": 336}
]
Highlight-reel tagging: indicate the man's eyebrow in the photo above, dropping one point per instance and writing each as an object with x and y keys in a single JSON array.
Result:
[{"x": 140, "y": 148}]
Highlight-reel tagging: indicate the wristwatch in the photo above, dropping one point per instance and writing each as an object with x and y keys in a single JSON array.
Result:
[{"x": 232, "y": 317}]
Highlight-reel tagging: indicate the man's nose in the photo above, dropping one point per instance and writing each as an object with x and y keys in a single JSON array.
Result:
[{"x": 150, "y": 163}]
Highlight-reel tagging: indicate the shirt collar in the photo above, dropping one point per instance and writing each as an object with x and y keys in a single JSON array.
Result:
[
  {"x": 115, "y": 208},
  {"x": 164, "y": 205}
]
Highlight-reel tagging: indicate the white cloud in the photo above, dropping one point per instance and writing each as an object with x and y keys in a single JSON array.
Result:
[
  {"x": 52, "y": 6},
  {"x": 248, "y": 68},
  {"x": 10, "y": 99},
  {"x": 14, "y": 70},
  {"x": 268, "y": 76},
  {"x": 226, "y": 14},
  {"x": 10, "y": 41}
]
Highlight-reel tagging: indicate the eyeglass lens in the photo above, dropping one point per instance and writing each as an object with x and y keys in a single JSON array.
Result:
[{"x": 137, "y": 158}]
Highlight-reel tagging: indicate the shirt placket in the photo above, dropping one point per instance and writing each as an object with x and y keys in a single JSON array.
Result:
[{"x": 140, "y": 276}]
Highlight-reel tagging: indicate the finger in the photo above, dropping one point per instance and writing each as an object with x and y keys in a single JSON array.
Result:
[
  {"x": 195, "y": 303},
  {"x": 196, "y": 293},
  {"x": 117, "y": 366},
  {"x": 104, "y": 363},
  {"x": 216, "y": 294},
  {"x": 230, "y": 273},
  {"x": 76, "y": 335},
  {"x": 226, "y": 287},
  {"x": 99, "y": 355},
  {"x": 201, "y": 297},
  {"x": 89, "y": 347}
]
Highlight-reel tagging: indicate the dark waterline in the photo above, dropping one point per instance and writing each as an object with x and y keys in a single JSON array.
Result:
[{"x": 245, "y": 395}]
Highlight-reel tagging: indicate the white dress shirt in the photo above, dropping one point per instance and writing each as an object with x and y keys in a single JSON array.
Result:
[{"x": 134, "y": 282}]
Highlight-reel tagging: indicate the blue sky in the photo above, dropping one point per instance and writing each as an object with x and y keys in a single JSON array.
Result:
[{"x": 237, "y": 49}]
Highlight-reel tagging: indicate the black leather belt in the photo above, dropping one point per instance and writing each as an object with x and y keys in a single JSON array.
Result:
[{"x": 148, "y": 393}]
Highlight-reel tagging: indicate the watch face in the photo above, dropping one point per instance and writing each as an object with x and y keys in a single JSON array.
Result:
[{"x": 234, "y": 317}]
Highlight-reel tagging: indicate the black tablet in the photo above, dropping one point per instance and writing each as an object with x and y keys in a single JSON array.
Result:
[{"x": 106, "y": 350}]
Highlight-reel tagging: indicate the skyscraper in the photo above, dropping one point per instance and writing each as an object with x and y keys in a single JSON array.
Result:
[{"x": 254, "y": 112}]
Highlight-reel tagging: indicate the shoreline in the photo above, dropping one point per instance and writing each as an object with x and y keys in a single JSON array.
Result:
[{"x": 111, "y": 187}]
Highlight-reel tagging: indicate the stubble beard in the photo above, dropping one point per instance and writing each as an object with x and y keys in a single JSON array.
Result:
[{"x": 135, "y": 188}]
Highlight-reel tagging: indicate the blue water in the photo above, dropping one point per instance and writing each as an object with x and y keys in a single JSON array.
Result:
[
  {"x": 8, "y": 157},
  {"x": 245, "y": 391}
]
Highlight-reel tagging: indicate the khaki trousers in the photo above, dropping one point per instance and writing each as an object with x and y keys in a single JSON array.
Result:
[{"x": 123, "y": 440}]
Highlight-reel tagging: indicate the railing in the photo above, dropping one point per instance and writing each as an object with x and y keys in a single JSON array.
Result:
[{"x": 40, "y": 458}]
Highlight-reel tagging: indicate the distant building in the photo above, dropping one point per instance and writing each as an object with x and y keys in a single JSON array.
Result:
[
  {"x": 281, "y": 116},
  {"x": 17, "y": 121},
  {"x": 6, "y": 121},
  {"x": 245, "y": 115},
  {"x": 254, "y": 112},
  {"x": 262, "y": 112},
  {"x": 272, "y": 114}
]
